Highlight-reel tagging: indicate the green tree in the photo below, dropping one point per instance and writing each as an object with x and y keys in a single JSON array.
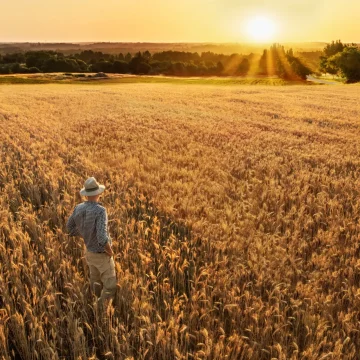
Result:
[
  {"x": 244, "y": 67},
  {"x": 128, "y": 57},
  {"x": 146, "y": 55},
  {"x": 334, "y": 48},
  {"x": 134, "y": 64},
  {"x": 5, "y": 70},
  {"x": 348, "y": 62},
  {"x": 61, "y": 65},
  {"x": 83, "y": 66},
  {"x": 38, "y": 58},
  {"x": 191, "y": 69},
  {"x": 143, "y": 68},
  {"x": 120, "y": 67},
  {"x": 330, "y": 50},
  {"x": 326, "y": 67},
  {"x": 13, "y": 58},
  {"x": 178, "y": 69},
  {"x": 102, "y": 66}
]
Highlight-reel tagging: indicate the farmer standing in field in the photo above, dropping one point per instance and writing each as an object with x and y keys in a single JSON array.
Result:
[{"x": 89, "y": 220}]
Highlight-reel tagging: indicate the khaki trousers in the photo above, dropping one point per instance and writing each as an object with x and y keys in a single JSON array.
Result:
[{"x": 102, "y": 275}]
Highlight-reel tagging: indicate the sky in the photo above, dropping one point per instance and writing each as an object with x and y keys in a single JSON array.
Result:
[{"x": 176, "y": 21}]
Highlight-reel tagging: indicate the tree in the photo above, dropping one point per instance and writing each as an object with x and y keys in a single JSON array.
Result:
[
  {"x": 146, "y": 55},
  {"x": 348, "y": 62},
  {"x": 263, "y": 63},
  {"x": 161, "y": 67},
  {"x": 178, "y": 69},
  {"x": 202, "y": 69},
  {"x": 61, "y": 65},
  {"x": 277, "y": 61},
  {"x": 330, "y": 50},
  {"x": 326, "y": 67},
  {"x": 5, "y": 70},
  {"x": 38, "y": 58},
  {"x": 102, "y": 66},
  {"x": 334, "y": 48},
  {"x": 136, "y": 64},
  {"x": 15, "y": 68},
  {"x": 86, "y": 55},
  {"x": 191, "y": 69},
  {"x": 273, "y": 61},
  {"x": 143, "y": 68},
  {"x": 244, "y": 67},
  {"x": 298, "y": 67},
  {"x": 13, "y": 58},
  {"x": 220, "y": 68},
  {"x": 83, "y": 66},
  {"x": 128, "y": 57},
  {"x": 120, "y": 67}
]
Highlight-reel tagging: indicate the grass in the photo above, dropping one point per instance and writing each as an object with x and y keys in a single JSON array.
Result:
[
  {"x": 23, "y": 80},
  {"x": 199, "y": 81},
  {"x": 331, "y": 78},
  {"x": 150, "y": 80}
]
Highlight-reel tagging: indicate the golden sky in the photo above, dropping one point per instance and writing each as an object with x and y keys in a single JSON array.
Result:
[{"x": 176, "y": 21}]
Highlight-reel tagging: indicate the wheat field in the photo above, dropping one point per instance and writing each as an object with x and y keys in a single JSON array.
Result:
[{"x": 234, "y": 212}]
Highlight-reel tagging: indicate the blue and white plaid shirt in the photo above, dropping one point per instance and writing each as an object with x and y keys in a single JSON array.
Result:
[{"x": 89, "y": 220}]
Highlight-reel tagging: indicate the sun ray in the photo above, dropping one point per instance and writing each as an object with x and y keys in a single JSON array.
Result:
[
  {"x": 270, "y": 63},
  {"x": 285, "y": 63}
]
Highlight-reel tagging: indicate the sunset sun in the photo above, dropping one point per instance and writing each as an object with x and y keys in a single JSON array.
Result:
[{"x": 261, "y": 28}]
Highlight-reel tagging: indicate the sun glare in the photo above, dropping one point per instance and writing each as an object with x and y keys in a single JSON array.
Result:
[{"x": 261, "y": 28}]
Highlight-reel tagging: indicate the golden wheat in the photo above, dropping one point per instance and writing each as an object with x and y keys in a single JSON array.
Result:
[{"x": 235, "y": 214}]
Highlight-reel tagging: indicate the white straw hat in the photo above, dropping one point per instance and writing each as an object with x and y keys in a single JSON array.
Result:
[{"x": 92, "y": 188}]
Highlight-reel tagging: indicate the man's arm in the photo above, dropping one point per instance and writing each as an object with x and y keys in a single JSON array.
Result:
[
  {"x": 71, "y": 225},
  {"x": 102, "y": 232},
  {"x": 108, "y": 249}
]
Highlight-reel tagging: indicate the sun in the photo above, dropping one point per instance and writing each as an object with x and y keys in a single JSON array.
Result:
[{"x": 261, "y": 28}]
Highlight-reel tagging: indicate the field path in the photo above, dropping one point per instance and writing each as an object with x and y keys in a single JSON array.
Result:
[{"x": 327, "y": 82}]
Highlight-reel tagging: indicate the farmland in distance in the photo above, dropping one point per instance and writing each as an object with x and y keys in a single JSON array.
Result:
[{"x": 234, "y": 213}]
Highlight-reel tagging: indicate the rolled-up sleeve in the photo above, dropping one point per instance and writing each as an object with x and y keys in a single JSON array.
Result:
[
  {"x": 102, "y": 228},
  {"x": 71, "y": 225}
]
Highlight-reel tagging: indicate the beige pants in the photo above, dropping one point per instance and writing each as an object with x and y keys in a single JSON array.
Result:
[{"x": 102, "y": 275}]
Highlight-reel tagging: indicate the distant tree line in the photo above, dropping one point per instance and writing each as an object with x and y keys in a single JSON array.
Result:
[
  {"x": 275, "y": 61},
  {"x": 40, "y": 61},
  {"x": 176, "y": 63}
]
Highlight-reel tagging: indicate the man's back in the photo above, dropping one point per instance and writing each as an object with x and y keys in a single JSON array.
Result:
[{"x": 89, "y": 220}]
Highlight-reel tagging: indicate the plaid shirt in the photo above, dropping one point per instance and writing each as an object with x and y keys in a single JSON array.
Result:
[{"x": 89, "y": 220}]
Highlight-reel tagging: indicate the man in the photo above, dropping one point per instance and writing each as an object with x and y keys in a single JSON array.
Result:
[{"x": 89, "y": 220}]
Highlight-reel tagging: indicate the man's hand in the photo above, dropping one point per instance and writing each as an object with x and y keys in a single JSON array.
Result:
[{"x": 108, "y": 249}]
